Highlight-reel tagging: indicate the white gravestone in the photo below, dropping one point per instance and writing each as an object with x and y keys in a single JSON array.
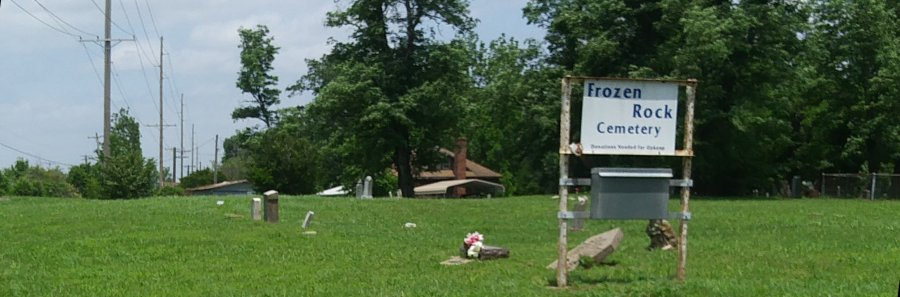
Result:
[
  {"x": 256, "y": 209},
  {"x": 308, "y": 219},
  {"x": 367, "y": 188}
]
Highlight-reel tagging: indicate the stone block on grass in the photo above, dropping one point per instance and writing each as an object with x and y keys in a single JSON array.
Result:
[{"x": 597, "y": 248}]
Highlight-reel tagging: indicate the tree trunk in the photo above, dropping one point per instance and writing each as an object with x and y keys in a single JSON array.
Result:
[{"x": 404, "y": 171}]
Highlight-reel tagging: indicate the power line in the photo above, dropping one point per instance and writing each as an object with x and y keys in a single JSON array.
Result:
[
  {"x": 93, "y": 66},
  {"x": 63, "y": 21},
  {"x": 138, "y": 46},
  {"x": 141, "y": 18},
  {"x": 121, "y": 91},
  {"x": 35, "y": 156},
  {"x": 127, "y": 104},
  {"x": 173, "y": 87},
  {"x": 152, "y": 19},
  {"x": 112, "y": 21},
  {"x": 43, "y": 22}
]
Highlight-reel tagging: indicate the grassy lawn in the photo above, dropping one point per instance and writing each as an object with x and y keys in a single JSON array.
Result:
[{"x": 191, "y": 247}]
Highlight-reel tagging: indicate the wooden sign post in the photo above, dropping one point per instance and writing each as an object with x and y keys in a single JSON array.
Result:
[{"x": 625, "y": 117}]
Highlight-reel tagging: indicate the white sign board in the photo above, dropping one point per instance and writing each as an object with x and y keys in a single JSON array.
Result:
[{"x": 629, "y": 117}]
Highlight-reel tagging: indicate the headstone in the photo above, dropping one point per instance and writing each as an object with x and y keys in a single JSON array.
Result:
[
  {"x": 270, "y": 211},
  {"x": 308, "y": 219},
  {"x": 597, "y": 247},
  {"x": 256, "y": 209},
  {"x": 487, "y": 252},
  {"x": 367, "y": 188},
  {"x": 359, "y": 189}
]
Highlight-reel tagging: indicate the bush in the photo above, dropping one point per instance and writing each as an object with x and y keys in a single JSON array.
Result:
[
  {"x": 36, "y": 181},
  {"x": 198, "y": 178},
  {"x": 170, "y": 191}
]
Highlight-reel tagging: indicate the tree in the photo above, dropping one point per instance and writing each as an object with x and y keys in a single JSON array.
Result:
[
  {"x": 85, "y": 178},
  {"x": 257, "y": 55},
  {"x": 3, "y": 183},
  {"x": 515, "y": 105},
  {"x": 282, "y": 159},
  {"x": 393, "y": 92},
  {"x": 125, "y": 174},
  {"x": 745, "y": 55},
  {"x": 853, "y": 89}
]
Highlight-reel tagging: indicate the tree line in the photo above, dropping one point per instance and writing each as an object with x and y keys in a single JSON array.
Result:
[{"x": 785, "y": 88}]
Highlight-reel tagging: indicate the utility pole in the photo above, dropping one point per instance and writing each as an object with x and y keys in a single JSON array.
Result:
[
  {"x": 173, "y": 163},
  {"x": 216, "y": 162},
  {"x": 96, "y": 139},
  {"x": 107, "y": 53},
  {"x": 107, "y": 68},
  {"x": 161, "y": 177},
  {"x": 181, "y": 143},
  {"x": 193, "y": 150}
]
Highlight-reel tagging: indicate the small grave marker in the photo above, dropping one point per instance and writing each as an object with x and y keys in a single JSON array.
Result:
[
  {"x": 308, "y": 219},
  {"x": 256, "y": 209},
  {"x": 270, "y": 211},
  {"x": 367, "y": 188}
]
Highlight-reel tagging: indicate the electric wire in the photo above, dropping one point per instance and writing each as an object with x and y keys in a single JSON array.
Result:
[
  {"x": 146, "y": 35},
  {"x": 138, "y": 44},
  {"x": 34, "y": 156},
  {"x": 43, "y": 22},
  {"x": 152, "y": 19},
  {"x": 111, "y": 21},
  {"x": 93, "y": 65},
  {"x": 63, "y": 21}
]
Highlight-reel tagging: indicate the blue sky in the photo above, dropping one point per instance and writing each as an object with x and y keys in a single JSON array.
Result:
[{"x": 51, "y": 94}]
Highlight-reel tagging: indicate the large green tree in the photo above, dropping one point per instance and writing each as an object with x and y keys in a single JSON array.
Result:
[
  {"x": 257, "y": 55},
  {"x": 125, "y": 173},
  {"x": 512, "y": 117},
  {"x": 283, "y": 158},
  {"x": 393, "y": 92},
  {"x": 744, "y": 53},
  {"x": 853, "y": 89}
]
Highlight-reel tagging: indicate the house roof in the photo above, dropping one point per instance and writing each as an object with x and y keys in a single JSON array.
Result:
[
  {"x": 336, "y": 191},
  {"x": 440, "y": 188},
  {"x": 473, "y": 170},
  {"x": 218, "y": 185}
]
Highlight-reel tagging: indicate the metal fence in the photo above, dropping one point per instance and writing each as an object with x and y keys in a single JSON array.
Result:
[{"x": 868, "y": 186}]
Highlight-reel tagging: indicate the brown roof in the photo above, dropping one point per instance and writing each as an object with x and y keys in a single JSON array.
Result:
[{"x": 473, "y": 170}]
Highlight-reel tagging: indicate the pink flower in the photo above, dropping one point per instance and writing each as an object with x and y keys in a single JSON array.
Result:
[{"x": 472, "y": 238}]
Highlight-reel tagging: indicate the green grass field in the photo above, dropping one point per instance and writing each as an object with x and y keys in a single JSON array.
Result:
[{"x": 191, "y": 247}]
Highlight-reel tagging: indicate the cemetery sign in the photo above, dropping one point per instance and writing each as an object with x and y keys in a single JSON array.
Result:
[{"x": 622, "y": 117}]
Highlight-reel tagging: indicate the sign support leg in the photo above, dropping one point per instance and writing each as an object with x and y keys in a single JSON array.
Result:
[
  {"x": 562, "y": 248},
  {"x": 687, "y": 163}
]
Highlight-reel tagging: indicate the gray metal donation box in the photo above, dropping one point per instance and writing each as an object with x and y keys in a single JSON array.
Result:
[{"x": 630, "y": 193}]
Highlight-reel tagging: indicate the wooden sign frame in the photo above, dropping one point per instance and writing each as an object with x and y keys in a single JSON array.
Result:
[{"x": 566, "y": 150}]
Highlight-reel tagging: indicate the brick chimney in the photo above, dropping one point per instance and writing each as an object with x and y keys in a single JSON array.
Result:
[{"x": 459, "y": 164}]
